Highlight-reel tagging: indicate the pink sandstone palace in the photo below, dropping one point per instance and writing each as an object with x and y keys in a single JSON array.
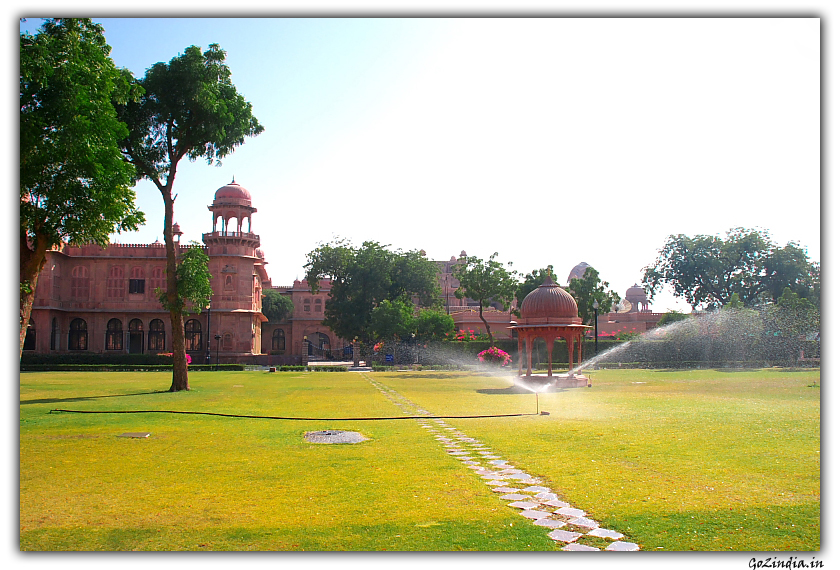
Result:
[{"x": 102, "y": 300}]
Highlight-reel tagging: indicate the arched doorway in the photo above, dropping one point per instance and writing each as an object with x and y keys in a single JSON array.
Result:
[
  {"x": 77, "y": 337},
  {"x": 157, "y": 336},
  {"x": 192, "y": 336},
  {"x": 135, "y": 336}
]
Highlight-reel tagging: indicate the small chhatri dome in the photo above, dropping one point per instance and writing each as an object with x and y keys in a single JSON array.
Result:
[
  {"x": 232, "y": 191},
  {"x": 549, "y": 304},
  {"x": 635, "y": 293}
]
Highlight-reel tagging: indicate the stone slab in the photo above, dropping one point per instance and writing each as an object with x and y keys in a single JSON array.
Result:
[
  {"x": 579, "y": 548},
  {"x": 584, "y": 522},
  {"x": 605, "y": 533},
  {"x": 570, "y": 512},
  {"x": 546, "y": 497},
  {"x": 531, "y": 514},
  {"x": 536, "y": 489},
  {"x": 506, "y": 490},
  {"x": 555, "y": 503},
  {"x": 564, "y": 535},
  {"x": 549, "y": 523},
  {"x": 527, "y": 505},
  {"x": 514, "y": 497},
  {"x": 623, "y": 546},
  {"x": 135, "y": 434}
]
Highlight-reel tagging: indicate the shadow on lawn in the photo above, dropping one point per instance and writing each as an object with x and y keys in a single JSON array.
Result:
[
  {"x": 85, "y": 398},
  {"x": 518, "y": 390}
]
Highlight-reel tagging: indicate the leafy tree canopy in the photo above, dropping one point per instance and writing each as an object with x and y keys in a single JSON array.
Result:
[
  {"x": 709, "y": 270},
  {"x": 672, "y": 316},
  {"x": 532, "y": 281},
  {"x": 433, "y": 324},
  {"x": 589, "y": 289},
  {"x": 74, "y": 185},
  {"x": 486, "y": 282},
  {"x": 363, "y": 278},
  {"x": 189, "y": 108},
  {"x": 393, "y": 320},
  {"x": 275, "y": 306},
  {"x": 193, "y": 278}
]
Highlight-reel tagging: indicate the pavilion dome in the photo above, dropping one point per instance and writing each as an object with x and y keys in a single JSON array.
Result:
[
  {"x": 232, "y": 192},
  {"x": 549, "y": 304},
  {"x": 635, "y": 294}
]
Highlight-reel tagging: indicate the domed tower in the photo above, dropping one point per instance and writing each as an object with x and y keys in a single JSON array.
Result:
[
  {"x": 231, "y": 207},
  {"x": 635, "y": 295},
  {"x": 549, "y": 312}
]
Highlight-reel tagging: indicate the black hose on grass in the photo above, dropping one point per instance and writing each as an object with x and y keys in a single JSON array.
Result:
[{"x": 290, "y": 418}]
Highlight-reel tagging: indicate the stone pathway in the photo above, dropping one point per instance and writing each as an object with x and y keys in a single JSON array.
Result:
[{"x": 519, "y": 489}]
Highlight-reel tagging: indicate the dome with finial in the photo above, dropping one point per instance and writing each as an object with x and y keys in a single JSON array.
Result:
[
  {"x": 232, "y": 192},
  {"x": 549, "y": 304}
]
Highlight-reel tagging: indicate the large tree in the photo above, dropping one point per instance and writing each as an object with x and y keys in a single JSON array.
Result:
[
  {"x": 275, "y": 306},
  {"x": 189, "y": 109},
  {"x": 74, "y": 186},
  {"x": 589, "y": 289},
  {"x": 362, "y": 278},
  {"x": 486, "y": 282},
  {"x": 709, "y": 270}
]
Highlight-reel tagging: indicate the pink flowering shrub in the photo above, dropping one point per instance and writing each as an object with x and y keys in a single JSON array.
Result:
[{"x": 494, "y": 355}]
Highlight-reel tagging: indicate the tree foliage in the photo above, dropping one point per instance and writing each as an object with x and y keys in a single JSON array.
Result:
[
  {"x": 672, "y": 316},
  {"x": 589, "y": 289},
  {"x": 709, "y": 270},
  {"x": 363, "y": 278},
  {"x": 189, "y": 108},
  {"x": 74, "y": 186},
  {"x": 275, "y": 306},
  {"x": 486, "y": 282},
  {"x": 433, "y": 324},
  {"x": 532, "y": 281},
  {"x": 393, "y": 320},
  {"x": 193, "y": 278}
]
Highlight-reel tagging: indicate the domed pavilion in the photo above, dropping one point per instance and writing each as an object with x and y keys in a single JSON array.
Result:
[{"x": 549, "y": 312}]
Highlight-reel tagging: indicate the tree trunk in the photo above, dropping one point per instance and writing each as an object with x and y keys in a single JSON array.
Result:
[
  {"x": 180, "y": 379},
  {"x": 486, "y": 325},
  {"x": 31, "y": 262}
]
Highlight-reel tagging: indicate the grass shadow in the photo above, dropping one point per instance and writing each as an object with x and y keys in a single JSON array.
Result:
[{"x": 86, "y": 398}]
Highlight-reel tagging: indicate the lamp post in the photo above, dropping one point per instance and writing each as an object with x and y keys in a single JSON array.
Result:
[
  {"x": 595, "y": 306},
  {"x": 218, "y": 338},
  {"x": 207, "y": 355}
]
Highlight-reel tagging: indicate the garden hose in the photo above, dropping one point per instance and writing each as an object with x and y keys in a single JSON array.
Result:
[{"x": 292, "y": 418}]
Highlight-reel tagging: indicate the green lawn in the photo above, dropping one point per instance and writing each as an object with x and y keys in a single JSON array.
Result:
[{"x": 703, "y": 460}]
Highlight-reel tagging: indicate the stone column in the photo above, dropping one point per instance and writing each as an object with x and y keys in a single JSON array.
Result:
[
  {"x": 304, "y": 358},
  {"x": 355, "y": 353}
]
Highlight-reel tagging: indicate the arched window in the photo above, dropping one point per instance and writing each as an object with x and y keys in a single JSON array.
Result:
[
  {"x": 307, "y": 305},
  {"x": 135, "y": 336},
  {"x": 192, "y": 335},
  {"x": 80, "y": 283},
  {"x": 114, "y": 335},
  {"x": 116, "y": 283},
  {"x": 228, "y": 282},
  {"x": 157, "y": 280},
  {"x": 157, "y": 336},
  {"x": 278, "y": 340},
  {"x": 54, "y": 334},
  {"x": 227, "y": 341},
  {"x": 318, "y": 307},
  {"x": 29, "y": 339},
  {"x": 77, "y": 338}
]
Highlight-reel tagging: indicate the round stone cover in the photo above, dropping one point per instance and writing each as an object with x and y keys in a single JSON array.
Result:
[{"x": 334, "y": 436}]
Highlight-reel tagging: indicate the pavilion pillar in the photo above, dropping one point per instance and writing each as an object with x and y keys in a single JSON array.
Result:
[
  {"x": 570, "y": 345},
  {"x": 549, "y": 346},
  {"x": 580, "y": 347},
  {"x": 519, "y": 344},
  {"x": 529, "y": 345}
]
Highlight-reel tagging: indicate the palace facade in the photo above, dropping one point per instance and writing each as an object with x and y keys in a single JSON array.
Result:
[{"x": 91, "y": 299}]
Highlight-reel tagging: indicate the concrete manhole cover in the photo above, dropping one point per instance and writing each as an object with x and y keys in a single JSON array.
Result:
[{"x": 334, "y": 436}]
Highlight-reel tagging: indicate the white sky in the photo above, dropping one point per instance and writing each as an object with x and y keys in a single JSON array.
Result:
[{"x": 549, "y": 140}]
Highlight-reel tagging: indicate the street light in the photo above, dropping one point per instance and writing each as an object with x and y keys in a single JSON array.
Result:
[
  {"x": 207, "y": 355},
  {"x": 218, "y": 338},
  {"x": 595, "y": 306}
]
